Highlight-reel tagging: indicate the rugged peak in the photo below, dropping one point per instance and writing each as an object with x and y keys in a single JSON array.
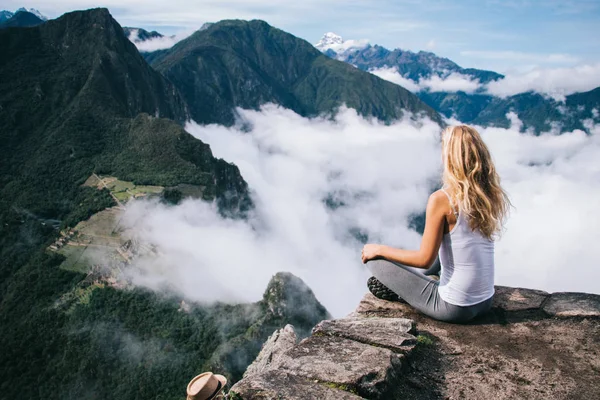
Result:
[
  {"x": 34, "y": 12},
  {"x": 288, "y": 296},
  {"x": 21, "y": 19},
  {"x": 137, "y": 35},
  {"x": 329, "y": 39},
  {"x": 331, "y": 42}
]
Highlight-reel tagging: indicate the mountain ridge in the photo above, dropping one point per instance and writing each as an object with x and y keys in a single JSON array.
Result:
[
  {"x": 538, "y": 112},
  {"x": 249, "y": 63}
]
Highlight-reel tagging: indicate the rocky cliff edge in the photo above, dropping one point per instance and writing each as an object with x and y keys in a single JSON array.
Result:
[{"x": 533, "y": 345}]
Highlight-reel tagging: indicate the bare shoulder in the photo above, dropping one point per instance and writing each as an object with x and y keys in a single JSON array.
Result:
[
  {"x": 438, "y": 202},
  {"x": 438, "y": 198}
]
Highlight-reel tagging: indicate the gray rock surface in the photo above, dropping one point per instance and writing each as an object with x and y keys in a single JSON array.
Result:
[
  {"x": 280, "y": 341},
  {"x": 566, "y": 304},
  {"x": 519, "y": 350},
  {"x": 367, "y": 369},
  {"x": 391, "y": 333},
  {"x": 518, "y": 299},
  {"x": 278, "y": 384}
]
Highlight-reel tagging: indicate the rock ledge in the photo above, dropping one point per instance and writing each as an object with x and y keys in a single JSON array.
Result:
[{"x": 532, "y": 344}]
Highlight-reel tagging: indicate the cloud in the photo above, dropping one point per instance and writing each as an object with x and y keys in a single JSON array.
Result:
[
  {"x": 158, "y": 43},
  {"x": 321, "y": 185},
  {"x": 318, "y": 185},
  {"x": 554, "y": 82},
  {"x": 520, "y": 57},
  {"x": 391, "y": 74},
  {"x": 450, "y": 82}
]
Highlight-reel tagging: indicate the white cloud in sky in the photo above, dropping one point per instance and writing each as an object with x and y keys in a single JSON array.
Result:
[{"x": 380, "y": 175}]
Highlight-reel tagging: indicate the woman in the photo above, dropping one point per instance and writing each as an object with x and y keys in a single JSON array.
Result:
[{"x": 462, "y": 220}]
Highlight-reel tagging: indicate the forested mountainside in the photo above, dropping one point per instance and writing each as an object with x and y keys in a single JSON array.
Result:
[
  {"x": 79, "y": 104},
  {"x": 76, "y": 98},
  {"x": 538, "y": 112},
  {"x": 245, "y": 64}
]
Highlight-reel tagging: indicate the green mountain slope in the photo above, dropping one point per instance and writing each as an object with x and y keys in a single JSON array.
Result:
[
  {"x": 247, "y": 64},
  {"x": 536, "y": 111},
  {"x": 76, "y": 98}
]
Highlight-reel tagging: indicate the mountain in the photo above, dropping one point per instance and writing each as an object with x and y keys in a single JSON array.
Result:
[
  {"x": 21, "y": 19},
  {"x": 4, "y": 15},
  {"x": 538, "y": 113},
  {"x": 247, "y": 64},
  {"x": 34, "y": 12},
  {"x": 76, "y": 98},
  {"x": 140, "y": 35},
  {"x": 410, "y": 65}
]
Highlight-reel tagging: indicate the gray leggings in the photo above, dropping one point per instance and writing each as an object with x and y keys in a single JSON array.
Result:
[{"x": 421, "y": 291}]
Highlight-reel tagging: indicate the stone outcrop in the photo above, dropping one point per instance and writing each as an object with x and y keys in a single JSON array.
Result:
[
  {"x": 280, "y": 341},
  {"x": 532, "y": 344}
]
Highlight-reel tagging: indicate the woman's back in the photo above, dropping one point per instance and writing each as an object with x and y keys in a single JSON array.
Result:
[{"x": 467, "y": 259}]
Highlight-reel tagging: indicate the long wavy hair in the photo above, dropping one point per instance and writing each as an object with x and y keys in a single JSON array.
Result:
[{"x": 472, "y": 180}]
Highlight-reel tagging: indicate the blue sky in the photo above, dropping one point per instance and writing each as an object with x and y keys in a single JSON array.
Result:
[{"x": 493, "y": 34}]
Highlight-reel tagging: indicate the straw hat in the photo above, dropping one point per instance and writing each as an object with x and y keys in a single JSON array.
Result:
[{"x": 205, "y": 386}]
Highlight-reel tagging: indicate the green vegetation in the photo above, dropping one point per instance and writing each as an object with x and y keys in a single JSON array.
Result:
[
  {"x": 536, "y": 111},
  {"x": 76, "y": 99},
  {"x": 249, "y": 63},
  {"x": 341, "y": 386},
  {"x": 424, "y": 340}
]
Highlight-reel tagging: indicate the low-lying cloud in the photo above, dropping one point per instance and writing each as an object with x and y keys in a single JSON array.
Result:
[
  {"x": 552, "y": 82},
  {"x": 320, "y": 186},
  {"x": 158, "y": 43},
  {"x": 449, "y": 82}
]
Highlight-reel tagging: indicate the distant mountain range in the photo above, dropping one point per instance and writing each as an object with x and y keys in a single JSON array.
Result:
[
  {"x": 413, "y": 66},
  {"x": 5, "y": 14},
  {"x": 537, "y": 112},
  {"x": 21, "y": 18}
]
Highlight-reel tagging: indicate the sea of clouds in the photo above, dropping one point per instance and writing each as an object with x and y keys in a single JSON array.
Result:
[
  {"x": 320, "y": 185},
  {"x": 552, "y": 82}
]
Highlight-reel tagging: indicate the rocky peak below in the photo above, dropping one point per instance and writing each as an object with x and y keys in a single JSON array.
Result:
[
  {"x": 288, "y": 297},
  {"x": 532, "y": 344}
]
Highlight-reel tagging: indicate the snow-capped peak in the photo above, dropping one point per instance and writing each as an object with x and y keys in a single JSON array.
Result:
[
  {"x": 34, "y": 12},
  {"x": 331, "y": 41},
  {"x": 328, "y": 40}
]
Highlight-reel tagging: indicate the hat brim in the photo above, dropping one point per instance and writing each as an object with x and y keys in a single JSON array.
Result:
[{"x": 223, "y": 382}]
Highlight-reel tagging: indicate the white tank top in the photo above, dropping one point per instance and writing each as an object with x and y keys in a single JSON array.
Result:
[{"x": 467, "y": 260}]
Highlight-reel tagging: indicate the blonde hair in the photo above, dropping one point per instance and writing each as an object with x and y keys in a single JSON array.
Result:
[{"x": 472, "y": 180}]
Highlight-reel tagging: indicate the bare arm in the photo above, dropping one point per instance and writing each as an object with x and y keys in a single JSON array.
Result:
[{"x": 437, "y": 209}]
